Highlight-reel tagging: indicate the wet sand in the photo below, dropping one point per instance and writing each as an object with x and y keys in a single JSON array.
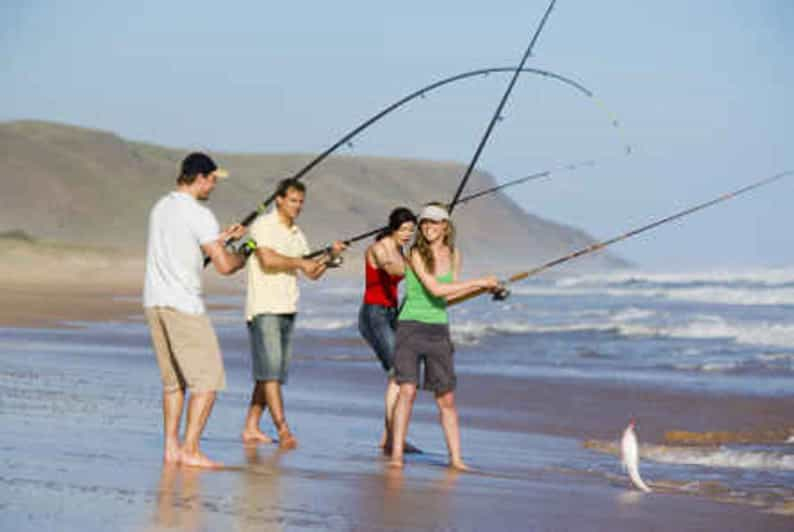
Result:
[{"x": 82, "y": 441}]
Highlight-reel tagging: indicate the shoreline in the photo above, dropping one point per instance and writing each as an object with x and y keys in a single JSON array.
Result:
[{"x": 530, "y": 437}]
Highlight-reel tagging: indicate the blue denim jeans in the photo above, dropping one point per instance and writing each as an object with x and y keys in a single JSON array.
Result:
[
  {"x": 376, "y": 324},
  {"x": 271, "y": 346}
]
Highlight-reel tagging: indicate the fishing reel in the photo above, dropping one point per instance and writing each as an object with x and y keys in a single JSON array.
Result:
[
  {"x": 501, "y": 293},
  {"x": 335, "y": 262},
  {"x": 246, "y": 248}
]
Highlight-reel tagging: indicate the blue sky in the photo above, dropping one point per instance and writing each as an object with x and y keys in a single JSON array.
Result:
[{"x": 702, "y": 91}]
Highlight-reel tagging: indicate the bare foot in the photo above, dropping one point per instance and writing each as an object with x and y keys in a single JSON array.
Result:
[
  {"x": 286, "y": 440},
  {"x": 458, "y": 465},
  {"x": 198, "y": 459},
  {"x": 255, "y": 436},
  {"x": 171, "y": 455},
  {"x": 411, "y": 449},
  {"x": 408, "y": 448}
]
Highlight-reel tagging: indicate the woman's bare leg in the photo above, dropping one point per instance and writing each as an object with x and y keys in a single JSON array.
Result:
[
  {"x": 402, "y": 416},
  {"x": 448, "y": 416}
]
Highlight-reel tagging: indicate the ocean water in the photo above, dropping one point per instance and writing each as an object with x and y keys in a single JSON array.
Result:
[
  {"x": 704, "y": 332},
  {"x": 725, "y": 331}
]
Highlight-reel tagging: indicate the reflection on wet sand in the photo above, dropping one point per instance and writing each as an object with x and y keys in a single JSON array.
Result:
[
  {"x": 417, "y": 504},
  {"x": 179, "y": 499},
  {"x": 260, "y": 504}
]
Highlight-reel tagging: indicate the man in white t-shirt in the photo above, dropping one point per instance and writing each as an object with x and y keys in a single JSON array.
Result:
[
  {"x": 271, "y": 305},
  {"x": 181, "y": 232}
]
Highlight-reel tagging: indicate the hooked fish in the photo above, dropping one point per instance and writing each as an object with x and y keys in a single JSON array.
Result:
[{"x": 630, "y": 457}]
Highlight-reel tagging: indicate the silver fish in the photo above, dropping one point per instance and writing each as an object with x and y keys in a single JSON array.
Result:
[{"x": 630, "y": 457}]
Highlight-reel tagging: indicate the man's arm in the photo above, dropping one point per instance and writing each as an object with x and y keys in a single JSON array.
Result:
[
  {"x": 322, "y": 261},
  {"x": 270, "y": 259},
  {"x": 225, "y": 262}
]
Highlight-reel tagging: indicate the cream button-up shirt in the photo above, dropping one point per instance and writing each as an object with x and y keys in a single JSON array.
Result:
[{"x": 273, "y": 291}]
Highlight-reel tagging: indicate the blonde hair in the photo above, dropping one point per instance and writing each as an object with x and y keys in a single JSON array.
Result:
[{"x": 422, "y": 246}]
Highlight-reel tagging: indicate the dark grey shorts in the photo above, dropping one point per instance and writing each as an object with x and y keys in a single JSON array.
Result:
[{"x": 429, "y": 342}]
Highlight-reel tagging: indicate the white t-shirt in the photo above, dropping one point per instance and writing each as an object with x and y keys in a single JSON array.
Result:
[
  {"x": 273, "y": 291},
  {"x": 178, "y": 226}
]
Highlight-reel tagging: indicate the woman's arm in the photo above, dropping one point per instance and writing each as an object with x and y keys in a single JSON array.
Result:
[
  {"x": 457, "y": 261},
  {"x": 446, "y": 290},
  {"x": 385, "y": 259}
]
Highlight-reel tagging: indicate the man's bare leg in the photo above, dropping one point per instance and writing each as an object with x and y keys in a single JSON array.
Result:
[
  {"x": 172, "y": 415},
  {"x": 402, "y": 415},
  {"x": 198, "y": 411},
  {"x": 275, "y": 403},
  {"x": 448, "y": 416},
  {"x": 251, "y": 432}
]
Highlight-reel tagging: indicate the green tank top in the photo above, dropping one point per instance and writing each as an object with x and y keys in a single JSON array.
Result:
[{"x": 420, "y": 304}]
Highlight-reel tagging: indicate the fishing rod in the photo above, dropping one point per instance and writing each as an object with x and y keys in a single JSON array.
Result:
[
  {"x": 421, "y": 93},
  {"x": 532, "y": 177},
  {"x": 504, "y": 292},
  {"x": 499, "y": 108}
]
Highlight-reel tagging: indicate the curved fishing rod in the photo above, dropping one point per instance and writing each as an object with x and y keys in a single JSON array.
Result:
[
  {"x": 403, "y": 101},
  {"x": 485, "y": 192},
  {"x": 499, "y": 108},
  {"x": 504, "y": 292},
  {"x": 421, "y": 93}
]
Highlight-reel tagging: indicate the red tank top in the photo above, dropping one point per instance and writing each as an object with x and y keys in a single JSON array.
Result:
[{"x": 381, "y": 287}]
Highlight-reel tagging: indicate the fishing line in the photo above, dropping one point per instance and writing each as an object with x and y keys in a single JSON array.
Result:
[
  {"x": 570, "y": 167},
  {"x": 601, "y": 245},
  {"x": 498, "y": 113},
  {"x": 614, "y": 122},
  {"x": 346, "y": 140}
]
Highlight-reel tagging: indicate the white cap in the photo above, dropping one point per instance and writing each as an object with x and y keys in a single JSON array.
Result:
[{"x": 434, "y": 212}]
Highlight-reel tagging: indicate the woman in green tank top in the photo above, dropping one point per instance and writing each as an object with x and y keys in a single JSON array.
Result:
[{"x": 423, "y": 328}]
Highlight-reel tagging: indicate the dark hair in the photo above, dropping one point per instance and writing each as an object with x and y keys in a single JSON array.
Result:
[
  {"x": 398, "y": 216},
  {"x": 285, "y": 184},
  {"x": 193, "y": 165}
]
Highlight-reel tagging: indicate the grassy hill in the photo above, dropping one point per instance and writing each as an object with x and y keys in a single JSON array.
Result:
[{"x": 83, "y": 186}]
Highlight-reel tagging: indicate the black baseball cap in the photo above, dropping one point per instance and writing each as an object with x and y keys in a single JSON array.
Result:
[{"x": 201, "y": 163}]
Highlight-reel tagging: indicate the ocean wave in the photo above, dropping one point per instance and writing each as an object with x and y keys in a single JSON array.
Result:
[
  {"x": 709, "y": 367},
  {"x": 705, "y": 327},
  {"x": 324, "y": 324},
  {"x": 633, "y": 322},
  {"x": 469, "y": 332},
  {"x": 721, "y": 457},
  {"x": 734, "y": 296},
  {"x": 720, "y": 295},
  {"x": 771, "y": 277}
]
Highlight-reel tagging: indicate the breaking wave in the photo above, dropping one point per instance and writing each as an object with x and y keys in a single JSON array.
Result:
[
  {"x": 761, "y": 287},
  {"x": 633, "y": 322},
  {"x": 721, "y": 457}
]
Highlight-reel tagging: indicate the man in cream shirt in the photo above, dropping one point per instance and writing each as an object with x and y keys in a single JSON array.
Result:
[{"x": 271, "y": 305}]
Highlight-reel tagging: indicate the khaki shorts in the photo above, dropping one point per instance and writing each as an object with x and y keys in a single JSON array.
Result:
[{"x": 187, "y": 350}]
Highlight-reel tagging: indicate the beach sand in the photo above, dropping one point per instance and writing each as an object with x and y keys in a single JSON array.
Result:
[{"x": 81, "y": 444}]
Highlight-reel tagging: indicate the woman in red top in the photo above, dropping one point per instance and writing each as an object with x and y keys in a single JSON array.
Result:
[{"x": 384, "y": 264}]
